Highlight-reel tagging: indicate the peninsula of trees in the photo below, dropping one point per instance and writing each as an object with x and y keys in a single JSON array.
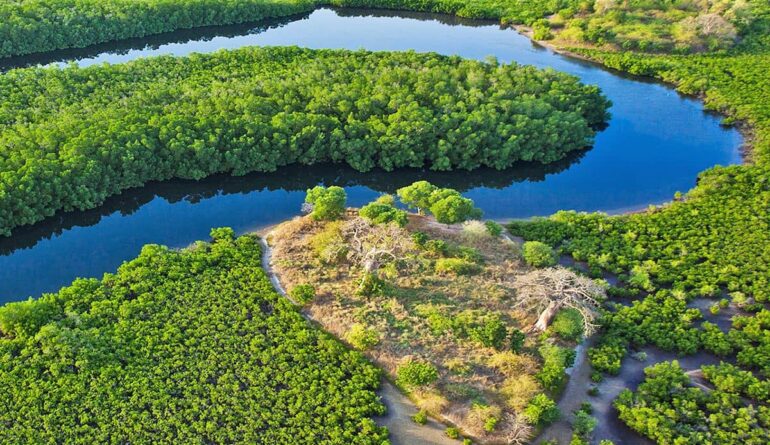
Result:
[{"x": 71, "y": 137}]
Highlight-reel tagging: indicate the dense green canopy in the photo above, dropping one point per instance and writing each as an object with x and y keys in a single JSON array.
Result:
[
  {"x": 179, "y": 347},
  {"x": 29, "y": 26},
  {"x": 713, "y": 241},
  {"x": 71, "y": 137}
]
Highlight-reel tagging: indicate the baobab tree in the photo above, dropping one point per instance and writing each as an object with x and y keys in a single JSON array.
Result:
[
  {"x": 372, "y": 246},
  {"x": 546, "y": 291}
]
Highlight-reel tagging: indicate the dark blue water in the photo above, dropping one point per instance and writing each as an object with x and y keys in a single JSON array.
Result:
[{"x": 656, "y": 144}]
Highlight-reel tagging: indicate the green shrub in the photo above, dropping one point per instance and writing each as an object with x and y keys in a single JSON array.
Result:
[
  {"x": 491, "y": 332},
  {"x": 421, "y": 417},
  {"x": 436, "y": 248},
  {"x": 420, "y": 238},
  {"x": 607, "y": 356},
  {"x": 583, "y": 424},
  {"x": 302, "y": 293},
  {"x": 328, "y": 203},
  {"x": 380, "y": 213},
  {"x": 541, "y": 30},
  {"x": 453, "y": 433},
  {"x": 487, "y": 329},
  {"x": 541, "y": 411},
  {"x": 454, "y": 209},
  {"x": 361, "y": 337},
  {"x": 555, "y": 362},
  {"x": 493, "y": 228},
  {"x": 490, "y": 424},
  {"x": 386, "y": 199},
  {"x": 416, "y": 374},
  {"x": 517, "y": 340},
  {"x": 371, "y": 286},
  {"x": 329, "y": 245},
  {"x": 456, "y": 266},
  {"x": 466, "y": 253},
  {"x": 538, "y": 254},
  {"x": 568, "y": 324}
]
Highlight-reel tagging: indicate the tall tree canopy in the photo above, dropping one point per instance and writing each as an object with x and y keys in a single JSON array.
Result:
[
  {"x": 71, "y": 137},
  {"x": 180, "y": 347}
]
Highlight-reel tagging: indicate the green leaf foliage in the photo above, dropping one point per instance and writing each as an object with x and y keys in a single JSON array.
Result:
[
  {"x": 189, "y": 346},
  {"x": 538, "y": 254},
  {"x": 30, "y": 26},
  {"x": 70, "y": 137},
  {"x": 328, "y": 203},
  {"x": 453, "y": 209},
  {"x": 416, "y": 374},
  {"x": 380, "y": 212},
  {"x": 666, "y": 408}
]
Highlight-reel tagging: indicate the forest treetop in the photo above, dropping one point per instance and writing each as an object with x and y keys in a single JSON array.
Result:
[{"x": 71, "y": 137}]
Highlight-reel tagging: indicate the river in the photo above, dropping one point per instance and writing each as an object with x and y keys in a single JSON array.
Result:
[{"x": 656, "y": 143}]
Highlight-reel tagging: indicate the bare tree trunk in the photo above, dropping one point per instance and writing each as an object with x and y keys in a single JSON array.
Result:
[
  {"x": 545, "y": 318},
  {"x": 371, "y": 266}
]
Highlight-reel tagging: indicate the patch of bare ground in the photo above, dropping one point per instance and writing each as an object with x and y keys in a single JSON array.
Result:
[{"x": 441, "y": 296}]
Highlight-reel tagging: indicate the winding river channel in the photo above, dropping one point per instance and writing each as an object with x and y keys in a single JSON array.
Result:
[{"x": 655, "y": 145}]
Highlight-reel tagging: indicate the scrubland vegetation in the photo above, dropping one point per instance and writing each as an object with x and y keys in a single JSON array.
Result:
[
  {"x": 180, "y": 347},
  {"x": 452, "y": 313}
]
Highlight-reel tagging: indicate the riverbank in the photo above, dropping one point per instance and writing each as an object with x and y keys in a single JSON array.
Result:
[
  {"x": 744, "y": 127},
  {"x": 612, "y": 176}
]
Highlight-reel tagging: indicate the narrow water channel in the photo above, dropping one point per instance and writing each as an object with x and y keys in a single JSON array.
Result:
[{"x": 655, "y": 145}]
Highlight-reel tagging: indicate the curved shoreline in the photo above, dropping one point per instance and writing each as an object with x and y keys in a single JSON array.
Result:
[{"x": 746, "y": 129}]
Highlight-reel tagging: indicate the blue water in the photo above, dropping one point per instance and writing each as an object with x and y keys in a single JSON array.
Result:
[{"x": 656, "y": 144}]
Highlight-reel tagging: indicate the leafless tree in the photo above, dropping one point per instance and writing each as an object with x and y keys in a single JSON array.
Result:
[
  {"x": 371, "y": 246},
  {"x": 549, "y": 290},
  {"x": 716, "y": 25},
  {"x": 517, "y": 431}
]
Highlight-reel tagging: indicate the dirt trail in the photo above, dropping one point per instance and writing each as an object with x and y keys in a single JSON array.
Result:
[{"x": 398, "y": 418}]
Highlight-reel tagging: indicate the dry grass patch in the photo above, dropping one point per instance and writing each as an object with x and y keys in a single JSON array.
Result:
[{"x": 441, "y": 296}]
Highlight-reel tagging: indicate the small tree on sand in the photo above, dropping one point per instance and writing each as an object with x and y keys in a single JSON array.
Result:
[
  {"x": 549, "y": 290},
  {"x": 453, "y": 209},
  {"x": 417, "y": 195},
  {"x": 328, "y": 204}
]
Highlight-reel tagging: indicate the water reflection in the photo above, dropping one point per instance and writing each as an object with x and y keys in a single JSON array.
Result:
[{"x": 657, "y": 142}]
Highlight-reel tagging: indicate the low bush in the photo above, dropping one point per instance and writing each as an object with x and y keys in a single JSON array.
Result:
[
  {"x": 420, "y": 418},
  {"x": 538, "y": 254},
  {"x": 383, "y": 213},
  {"x": 556, "y": 360},
  {"x": 568, "y": 324},
  {"x": 361, "y": 337},
  {"x": 456, "y": 266},
  {"x": 302, "y": 293},
  {"x": 541, "y": 410},
  {"x": 415, "y": 374}
]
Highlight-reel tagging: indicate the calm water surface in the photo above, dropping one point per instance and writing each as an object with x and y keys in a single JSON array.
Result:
[{"x": 655, "y": 145}]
